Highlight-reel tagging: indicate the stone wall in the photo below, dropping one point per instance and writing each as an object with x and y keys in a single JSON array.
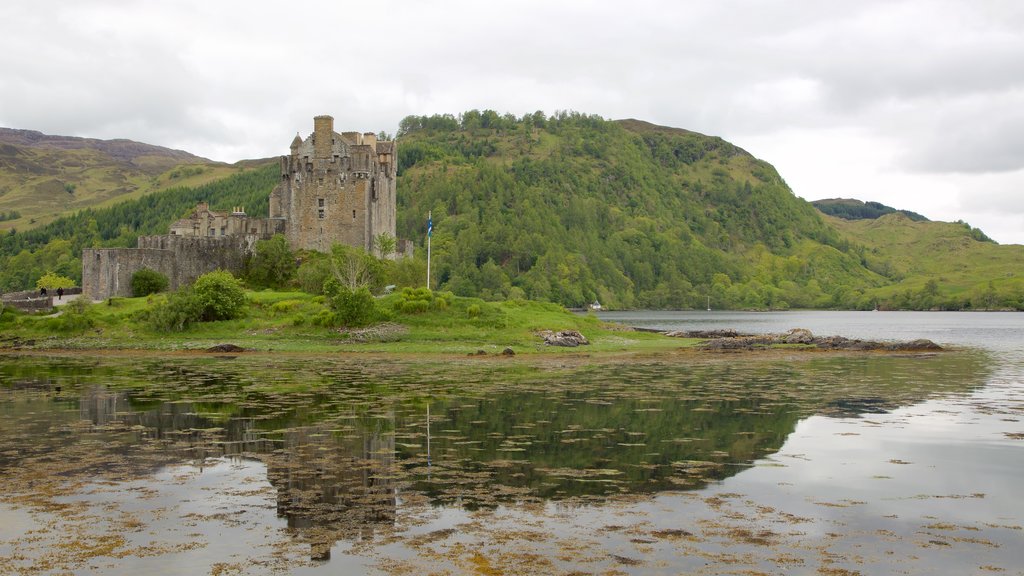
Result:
[
  {"x": 107, "y": 272},
  {"x": 27, "y": 301}
]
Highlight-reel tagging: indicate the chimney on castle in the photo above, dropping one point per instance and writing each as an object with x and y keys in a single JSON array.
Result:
[{"x": 323, "y": 135}]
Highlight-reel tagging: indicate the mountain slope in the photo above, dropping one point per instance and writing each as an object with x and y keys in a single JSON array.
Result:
[
  {"x": 852, "y": 209},
  {"x": 574, "y": 208},
  {"x": 937, "y": 264},
  {"x": 43, "y": 176}
]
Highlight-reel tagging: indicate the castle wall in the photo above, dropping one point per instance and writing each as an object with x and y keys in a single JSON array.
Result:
[{"x": 107, "y": 272}]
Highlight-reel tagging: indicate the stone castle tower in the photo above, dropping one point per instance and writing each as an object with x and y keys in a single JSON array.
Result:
[{"x": 336, "y": 189}]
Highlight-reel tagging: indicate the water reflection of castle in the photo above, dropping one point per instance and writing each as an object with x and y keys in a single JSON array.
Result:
[
  {"x": 334, "y": 486},
  {"x": 330, "y": 486}
]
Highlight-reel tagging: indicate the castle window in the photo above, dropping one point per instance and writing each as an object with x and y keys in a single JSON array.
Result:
[
  {"x": 320, "y": 213},
  {"x": 211, "y": 232},
  {"x": 320, "y": 202},
  {"x": 221, "y": 230},
  {"x": 353, "y": 214}
]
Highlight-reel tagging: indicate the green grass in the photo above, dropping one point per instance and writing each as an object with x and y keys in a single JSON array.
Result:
[{"x": 284, "y": 322}]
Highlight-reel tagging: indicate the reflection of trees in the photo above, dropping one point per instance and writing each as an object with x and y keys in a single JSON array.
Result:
[{"x": 571, "y": 445}]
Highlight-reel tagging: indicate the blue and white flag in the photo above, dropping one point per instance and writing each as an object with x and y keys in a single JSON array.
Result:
[{"x": 430, "y": 226}]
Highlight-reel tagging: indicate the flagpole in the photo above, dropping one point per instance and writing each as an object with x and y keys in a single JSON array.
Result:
[{"x": 430, "y": 230}]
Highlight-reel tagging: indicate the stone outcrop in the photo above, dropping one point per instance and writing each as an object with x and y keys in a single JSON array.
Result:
[
  {"x": 568, "y": 338},
  {"x": 802, "y": 336}
]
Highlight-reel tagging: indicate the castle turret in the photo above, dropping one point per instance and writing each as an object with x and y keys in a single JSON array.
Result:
[{"x": 323, "y": 135}]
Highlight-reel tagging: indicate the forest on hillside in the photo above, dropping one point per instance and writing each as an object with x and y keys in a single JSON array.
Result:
[{"x": 574, "y": 208}]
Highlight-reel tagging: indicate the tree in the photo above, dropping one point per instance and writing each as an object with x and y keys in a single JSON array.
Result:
[
  {"x": 272, "y": 264},
  {"x": 385, "y": 245},
  {"x": 146, "y": 282},
  {"x": 354, "y": 268},
  {"x": 52, "y": 281}
]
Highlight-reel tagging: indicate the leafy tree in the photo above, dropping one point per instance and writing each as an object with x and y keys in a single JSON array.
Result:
[
  {"x": 313, "y": 272},
  {"x": 354, "y": 268},
  {"x": 146, "y": 282},
  {"x": 385, "y": 245},
  {"x": 52, "y": 281},
  {"x": 272, "y": 264}
]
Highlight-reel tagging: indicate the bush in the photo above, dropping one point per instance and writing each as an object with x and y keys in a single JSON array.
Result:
[
  {"x": 178, "y": 312},
  {"x": 74, "y": 317},
  {"x": 214, "y": 296},
  {"x": 272, "y": 264},
  {"x": 220, "y": 296},
  {"x": 313, "y": 273},
  {"x": 351, "y": 307},
  {"x": 146, "y": 282}
]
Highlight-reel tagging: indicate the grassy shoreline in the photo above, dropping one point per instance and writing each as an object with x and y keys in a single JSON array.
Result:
[{"x": 287, "y": 322}]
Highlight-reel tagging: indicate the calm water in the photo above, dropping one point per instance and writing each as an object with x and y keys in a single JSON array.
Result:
[{"x": 685, "y": 463}]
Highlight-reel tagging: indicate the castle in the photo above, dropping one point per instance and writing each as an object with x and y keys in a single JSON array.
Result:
[{"x": 335, "y": 189}]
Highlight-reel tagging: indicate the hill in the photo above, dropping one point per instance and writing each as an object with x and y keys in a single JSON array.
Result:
[
  {"x": 574, "y": 208},
  {"x": 57, "y": 247},
  {"x": 43, "y": 177},
  {"x": 851, "y": 209},
  {"x": 937, "y": 264}
]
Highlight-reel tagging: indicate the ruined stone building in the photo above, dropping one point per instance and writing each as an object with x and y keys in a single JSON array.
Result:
[{"x": 335, "y": 189}]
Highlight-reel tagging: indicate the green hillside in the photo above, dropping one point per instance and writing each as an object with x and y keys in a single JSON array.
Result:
[
  {"x": 43, "y": 177},
  {"x": 574, "y": 208},
  {"x": 57, "y": 247},
  {"x": 851, "y": 209},
  {"x": 937, "y": 264}
]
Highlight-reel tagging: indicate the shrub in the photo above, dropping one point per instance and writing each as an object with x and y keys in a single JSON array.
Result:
[
  {"x": 74, "y": 317},
  {"x": 313, "y": 273},
  {"x": 351, "y": 307},
  {"x": 178, "y": 312},
  {"x": 220, "y": 296},
  {"x": 272, "y": 263},
  {"x": 214, "y": 296},
  {"x": 473, "y": 311},
  {"x": 146, "y": 282}
]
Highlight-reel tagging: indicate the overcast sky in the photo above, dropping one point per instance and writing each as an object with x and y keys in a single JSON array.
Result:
[{"x": 917, "y": 104}]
